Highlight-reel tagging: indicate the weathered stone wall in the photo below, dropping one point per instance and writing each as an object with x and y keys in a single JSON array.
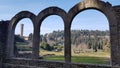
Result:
[
  {"x": 3, "y": 39},
  {"x": 112, "y": 13},
  {"x": 116, "y": 61},
  {"x": 34, "y": 63}
]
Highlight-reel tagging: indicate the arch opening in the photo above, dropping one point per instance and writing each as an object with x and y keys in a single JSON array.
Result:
[
  {"x": 23, "y": 39},
  {"x": 90, "y": 38},
  {"x": 52, "y": 38}
]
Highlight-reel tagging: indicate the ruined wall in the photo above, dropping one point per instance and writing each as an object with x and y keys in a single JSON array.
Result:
[
  {"x": 34, "y": 63},
  {"x": 117, "y": 51},
  {"x": 3, "y": 39},
  {"x": 112, "y": 13}
]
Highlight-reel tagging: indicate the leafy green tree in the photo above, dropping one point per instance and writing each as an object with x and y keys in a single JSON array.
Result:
[{"x": 46, "y": 46}]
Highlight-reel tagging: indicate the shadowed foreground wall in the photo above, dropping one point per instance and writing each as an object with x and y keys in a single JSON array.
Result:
[{"x": 3, "y": 40}]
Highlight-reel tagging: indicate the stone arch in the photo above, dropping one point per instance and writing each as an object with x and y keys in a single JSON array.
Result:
[
  {"x": 41, "y": 16},
  {"x": 11, "y": 29},
  {"x": 107, "y": 10},
  {"x": 50, "y": 11}
]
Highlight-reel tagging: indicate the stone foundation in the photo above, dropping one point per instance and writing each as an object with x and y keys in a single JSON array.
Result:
[{"x": 36, "y": 63}]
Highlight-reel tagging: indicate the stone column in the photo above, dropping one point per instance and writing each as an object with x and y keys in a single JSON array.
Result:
[
  {"x": 67, "y": 45},
  {"x": 21, "y": 30},
  {"x": 115, "y": 48},
  {"x": 36, "y": 39}
]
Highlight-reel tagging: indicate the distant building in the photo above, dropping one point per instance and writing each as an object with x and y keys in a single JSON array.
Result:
[{"x": 21, "y": 30}]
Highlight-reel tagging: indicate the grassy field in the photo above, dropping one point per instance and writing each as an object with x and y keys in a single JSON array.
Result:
[
  {"x": 81, "y": 59},
  {"x": 92, "y": 57}
]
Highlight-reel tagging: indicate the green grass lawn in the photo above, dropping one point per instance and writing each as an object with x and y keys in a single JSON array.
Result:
[
  {"x": 81, "y": 59},
  {"x": 91, "y": 57}
]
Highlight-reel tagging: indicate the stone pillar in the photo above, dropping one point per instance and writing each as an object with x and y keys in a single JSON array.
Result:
[
  {"x": 3, "y": 40},
  {"x": 36, "y": 39},
  {"x": 67, "y": 45},
  {"x": 115, "y": 57}
]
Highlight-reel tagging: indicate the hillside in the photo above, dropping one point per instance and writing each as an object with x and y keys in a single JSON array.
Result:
[{"x": 81, "y": 40}]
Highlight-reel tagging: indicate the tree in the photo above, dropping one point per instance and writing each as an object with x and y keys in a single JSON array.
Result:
[{"x": 46, "y": 46}]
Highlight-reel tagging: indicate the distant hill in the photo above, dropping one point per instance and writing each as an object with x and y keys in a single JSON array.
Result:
[{"x": 84, "y": 39}]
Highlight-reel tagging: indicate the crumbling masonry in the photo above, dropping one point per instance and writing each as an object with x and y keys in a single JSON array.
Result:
[{"x": 8, "y": 60}]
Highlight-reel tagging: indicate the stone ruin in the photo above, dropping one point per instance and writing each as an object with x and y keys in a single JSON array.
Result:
[{"x": 7, "y": 29}]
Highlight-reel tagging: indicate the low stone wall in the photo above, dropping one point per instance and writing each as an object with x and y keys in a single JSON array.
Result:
[{"x": 36, "y": 63}]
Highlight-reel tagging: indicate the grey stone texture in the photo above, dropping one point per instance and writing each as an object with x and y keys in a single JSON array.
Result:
[
  {"x": 10, "y": 61},
  {"x": 35, "y": 63},
  {"x": 3, "y": 39}
]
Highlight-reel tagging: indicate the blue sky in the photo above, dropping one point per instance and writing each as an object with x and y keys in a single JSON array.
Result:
[{"x": 89, "y": 19}]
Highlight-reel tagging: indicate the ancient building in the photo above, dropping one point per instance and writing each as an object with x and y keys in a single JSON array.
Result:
[
  {"x": 21, "y": 29},
  {"x": 8, "y": 60}
]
